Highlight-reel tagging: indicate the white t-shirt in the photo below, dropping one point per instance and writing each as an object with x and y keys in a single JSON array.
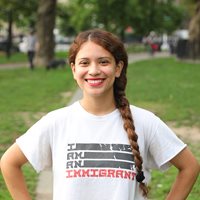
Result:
[{"x": 90, "y": 155}]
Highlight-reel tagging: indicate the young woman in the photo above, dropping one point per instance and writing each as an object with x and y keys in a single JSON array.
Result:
[{"x": 100, "y": 147}]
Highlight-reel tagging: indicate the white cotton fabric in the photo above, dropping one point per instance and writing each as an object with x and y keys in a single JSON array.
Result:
[{"x": 48, "y": 143}]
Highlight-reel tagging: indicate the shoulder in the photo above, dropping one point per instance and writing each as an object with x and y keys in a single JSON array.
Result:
[
  {"x": 146, "y": 122},
  {"x": 142, "y": 114},
  {"x": 62, "y": 113}
]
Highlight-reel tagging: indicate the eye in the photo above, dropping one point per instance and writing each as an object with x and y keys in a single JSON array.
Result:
[
  {"x": 83, "y": 63},
  {"x": 104, "y": 62}
]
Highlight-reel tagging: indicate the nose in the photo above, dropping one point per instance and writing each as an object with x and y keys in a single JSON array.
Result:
[{"x": 94, "y": 69}]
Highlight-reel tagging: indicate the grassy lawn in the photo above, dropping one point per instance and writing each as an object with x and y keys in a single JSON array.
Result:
[
  {"x": 171, "y": 89},
  {"x": 161, "y": 182},
  {"x": 25, "y": 97},
  {"x": 167, "y": 87},
  {"x": 22, "y": 57},
  {"x": 136, "y": 48}
]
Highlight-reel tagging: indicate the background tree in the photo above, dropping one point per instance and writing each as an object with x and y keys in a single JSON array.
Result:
[
  {"x": 45, "y": 26},
  {"x": 63, "y": 15},
  {"x": 116, "y": 15},
  {"x": 81, "y": 14},
  {"x": 194, "y": 33},
  {"x": 159, "y": 16},
  {"x": 111, "y": 14},
  {"x": 22, "y": 14}
]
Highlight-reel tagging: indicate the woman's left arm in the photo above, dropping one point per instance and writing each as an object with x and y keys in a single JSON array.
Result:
[{"x": 188, "y": 171}]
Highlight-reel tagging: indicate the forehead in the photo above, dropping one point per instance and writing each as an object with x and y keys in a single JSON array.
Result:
[{"x": 90, "y": 49}]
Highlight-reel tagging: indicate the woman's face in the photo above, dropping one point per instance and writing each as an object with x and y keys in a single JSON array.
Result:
[{"x": 95, "y": 70}]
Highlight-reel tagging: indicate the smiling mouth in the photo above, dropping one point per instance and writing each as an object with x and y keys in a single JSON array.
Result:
[{"x": 96, "y": 81}]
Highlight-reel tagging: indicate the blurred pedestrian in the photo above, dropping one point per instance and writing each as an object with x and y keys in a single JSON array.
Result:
[{"x": 31, "y": 48}]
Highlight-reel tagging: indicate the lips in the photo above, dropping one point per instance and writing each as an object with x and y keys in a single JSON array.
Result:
[{"x": 95, "y": 82}]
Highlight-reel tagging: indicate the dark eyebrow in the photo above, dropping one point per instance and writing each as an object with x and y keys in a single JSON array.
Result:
[
  {"x": 83, "y": 58},
  {"x": 104, "y": 58}
]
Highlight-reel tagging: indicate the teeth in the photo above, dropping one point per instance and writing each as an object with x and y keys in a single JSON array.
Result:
[{"x": 94, "y": 81}]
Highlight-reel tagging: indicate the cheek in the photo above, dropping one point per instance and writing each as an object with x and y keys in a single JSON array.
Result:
[
  {"x": 111, "y": 72},
  {"x": 79, "y": 73}
]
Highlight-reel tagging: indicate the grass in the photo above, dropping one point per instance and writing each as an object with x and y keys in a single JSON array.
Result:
[
  {"x": 22, "y": 57},
  {"x": 15, "y": 58},
  {"x": 136, "y": 48},
  {"x": 168, "y": 87},
  {"x": 161, "y": 182},
  {"x": 171, "y": 89},
  {"x": 25, "y": 97}
]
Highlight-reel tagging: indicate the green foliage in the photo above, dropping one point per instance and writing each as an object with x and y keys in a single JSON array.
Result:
[
  {"x": 24, "y": 14},
  {"x": 117, "y": 15},
  {"x": 117, "y": 19},
  {"x": 189, "y": 5},
  {"x": 63, "y": 20},
  {"x": 82, "y": 14},
  {"x": 162, "y": 16},
  {"x": 85, "y": 14},
  {"x": 113, "y": 15}
]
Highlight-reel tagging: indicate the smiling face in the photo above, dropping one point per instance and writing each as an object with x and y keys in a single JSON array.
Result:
[{"x": 95, "y": 70}]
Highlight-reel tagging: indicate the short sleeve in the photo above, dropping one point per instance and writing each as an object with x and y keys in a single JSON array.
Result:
[
  {"x": 164, "y": 145},
  {"x": 36, "y": 144}
]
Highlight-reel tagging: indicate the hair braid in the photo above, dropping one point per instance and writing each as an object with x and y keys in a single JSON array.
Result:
[{"x": 124, "y": 107}]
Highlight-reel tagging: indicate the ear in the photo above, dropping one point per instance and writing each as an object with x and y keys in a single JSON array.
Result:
[
  {"x": 119, "y": 68},
  {"x": 73, "y": 70}
]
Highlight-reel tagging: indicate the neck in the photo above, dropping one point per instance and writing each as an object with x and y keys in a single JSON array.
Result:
[{"x": 97, "y": 105}]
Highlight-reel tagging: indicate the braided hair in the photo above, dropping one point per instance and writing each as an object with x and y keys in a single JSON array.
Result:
[{"x": 114, "y": 45}]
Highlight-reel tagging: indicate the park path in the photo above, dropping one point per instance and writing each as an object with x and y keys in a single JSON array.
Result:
[
  {"x": 44, "y": 187},
  {"x": 13, "y": 65}
]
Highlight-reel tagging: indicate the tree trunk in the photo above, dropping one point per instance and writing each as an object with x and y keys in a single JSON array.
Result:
[
  {"x": 45, "y": 27},
  {"x": 9, "y": 37},
  {"x": 194, "y": 34}
]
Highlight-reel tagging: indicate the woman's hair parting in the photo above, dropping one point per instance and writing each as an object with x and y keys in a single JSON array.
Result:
[{"x": 114, "y": 45}]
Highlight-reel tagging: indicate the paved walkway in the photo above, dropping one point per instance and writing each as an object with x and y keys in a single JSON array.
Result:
[
  {"x": 44, "y": 187},
  {"x": 14, "y": 65}
]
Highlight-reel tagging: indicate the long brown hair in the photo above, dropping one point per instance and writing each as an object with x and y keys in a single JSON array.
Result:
[{"x": 113, "y": 44}]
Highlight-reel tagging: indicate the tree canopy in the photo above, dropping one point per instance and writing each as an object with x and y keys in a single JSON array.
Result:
[
  {"x": 23, "y": 13},
  {"x": 115, "y": 15}
]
